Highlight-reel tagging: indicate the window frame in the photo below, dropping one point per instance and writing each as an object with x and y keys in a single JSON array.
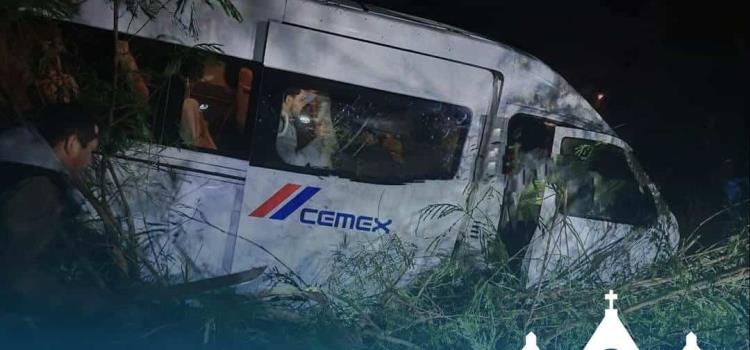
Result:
[{"x": 265, "y": 155}]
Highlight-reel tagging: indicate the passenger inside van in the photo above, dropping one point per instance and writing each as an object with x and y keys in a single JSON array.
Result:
[
  {"x": 378, "y": 152},
  {"x": 244, "y": 88},
  {"x": 305, "y": 136},
  {"x": 358, "y": 133},
  {"x": 55, "y": 84},
  {"x": 213, "y": 112},
  {"x": 209, "y": 98},
  {"x": 129, "y": 66}
]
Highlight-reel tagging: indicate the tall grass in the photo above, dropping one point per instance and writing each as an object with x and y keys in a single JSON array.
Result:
[{"x": 367, "y": 305}]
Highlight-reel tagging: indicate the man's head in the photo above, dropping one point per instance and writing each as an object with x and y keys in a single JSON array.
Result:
[
  {"x": 294, "y": 101},
  {"x": 72, "y": 133}
]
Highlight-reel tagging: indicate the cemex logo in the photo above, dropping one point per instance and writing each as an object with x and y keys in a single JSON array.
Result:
[{"x": 313, "y": 216}]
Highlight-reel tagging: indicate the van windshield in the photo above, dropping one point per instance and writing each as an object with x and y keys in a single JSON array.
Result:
[
  {"x": 363, "y": 133},
  {"x": 600, "y": 184}
]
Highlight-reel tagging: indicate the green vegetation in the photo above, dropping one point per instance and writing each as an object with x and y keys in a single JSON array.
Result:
[{"x": 457, "y": 306}]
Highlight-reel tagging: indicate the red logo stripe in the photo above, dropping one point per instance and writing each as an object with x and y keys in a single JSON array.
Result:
[{"x": 275, "y": 200}]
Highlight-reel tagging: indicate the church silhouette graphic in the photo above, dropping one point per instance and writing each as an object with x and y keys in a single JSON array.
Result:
[{"x": 611, "y": 333}]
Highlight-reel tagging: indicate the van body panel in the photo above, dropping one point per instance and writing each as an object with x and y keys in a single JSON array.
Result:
[
  {"x": 185, "y": 206},
  {"x": 214, "y": 196},
  {"x": 530, "y": 82},
  {"x": 237, "y": 39},
  {"x": 306, "y": 248},
  {"x": 308, "y": 240},
  {"x": 357, "y": 62}
]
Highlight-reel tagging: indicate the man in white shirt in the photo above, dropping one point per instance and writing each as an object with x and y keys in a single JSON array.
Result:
[{"x": 296, "y": 125}]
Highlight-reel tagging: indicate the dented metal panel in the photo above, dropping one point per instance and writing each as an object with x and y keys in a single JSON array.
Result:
[
  {"x": 529, "y": 82},
  {"x": 596, "y": 249},
  {"x": 239, "y": 39},
  {"x": 185, "y": 208}
]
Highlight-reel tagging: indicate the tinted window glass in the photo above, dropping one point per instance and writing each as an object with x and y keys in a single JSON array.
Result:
[
  {"x": 193, "y": 97},
  {"x": 599, "y": 184},
  {"x": 321, "y": 126}
]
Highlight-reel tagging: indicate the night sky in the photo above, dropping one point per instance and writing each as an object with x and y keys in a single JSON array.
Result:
[{"x": 672, "y": 73}]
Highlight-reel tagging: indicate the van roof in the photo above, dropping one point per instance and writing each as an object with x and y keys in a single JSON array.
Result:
[{"x": 528, "y": 82}]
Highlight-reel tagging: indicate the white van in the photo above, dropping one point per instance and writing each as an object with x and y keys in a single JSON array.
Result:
[{"x": 323, "y": 126}]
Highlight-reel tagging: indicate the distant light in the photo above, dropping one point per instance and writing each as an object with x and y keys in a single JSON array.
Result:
[{"x": 600, "y": 96}]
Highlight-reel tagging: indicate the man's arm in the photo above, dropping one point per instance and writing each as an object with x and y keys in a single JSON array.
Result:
[{"x": 286, "y": 142}]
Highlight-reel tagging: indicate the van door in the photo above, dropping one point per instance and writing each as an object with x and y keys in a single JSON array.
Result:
[
  {"x": 352, "y": 142},
  {"x": 597, "y": 219}
]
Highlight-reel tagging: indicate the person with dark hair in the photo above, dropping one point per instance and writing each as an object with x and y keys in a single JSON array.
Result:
[
  {"x": 294, "y": 101},
  {"x": 73, "y": 135},
  {"x": 305, "y": 136},
  {"x": 43, "y": 243}
]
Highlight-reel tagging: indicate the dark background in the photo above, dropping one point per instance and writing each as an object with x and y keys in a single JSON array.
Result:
[{"x": 672, "y": 74}]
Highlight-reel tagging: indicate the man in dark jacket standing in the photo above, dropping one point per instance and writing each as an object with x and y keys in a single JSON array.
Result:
[{"x": 43, "y": 244}]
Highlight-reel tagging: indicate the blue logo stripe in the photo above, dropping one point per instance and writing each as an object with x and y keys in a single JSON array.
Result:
[{"x": 295, "y": 203}]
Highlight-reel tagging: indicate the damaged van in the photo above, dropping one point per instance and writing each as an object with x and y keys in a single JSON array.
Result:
[{"x": 322, "y": 127}]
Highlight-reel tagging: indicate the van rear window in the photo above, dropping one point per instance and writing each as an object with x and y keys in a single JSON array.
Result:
[{"x": 316, "y": 125}]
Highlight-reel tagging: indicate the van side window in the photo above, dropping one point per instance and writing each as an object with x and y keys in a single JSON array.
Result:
[
  {"x": 215, "y": 105},
  {"x": 529, "y": 146},
  {"x": 526, "y": 163},
  {"x": 193, "y": 97},
  {"x": 599, "y": 184},
  {"x": 320, "y": 126}
]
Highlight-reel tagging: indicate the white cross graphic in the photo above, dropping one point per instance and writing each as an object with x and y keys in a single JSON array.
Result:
[
  {"x": 530, "y": 342},
  {"x": 611, "y": 333},
  {"x": 611, "y": 297},
  {"x": 691, "y": 342}
]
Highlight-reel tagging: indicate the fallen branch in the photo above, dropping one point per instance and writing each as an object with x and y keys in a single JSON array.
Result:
[
  {"x": 200, "y": 286},
  {"x": 727, "y": 278}
]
